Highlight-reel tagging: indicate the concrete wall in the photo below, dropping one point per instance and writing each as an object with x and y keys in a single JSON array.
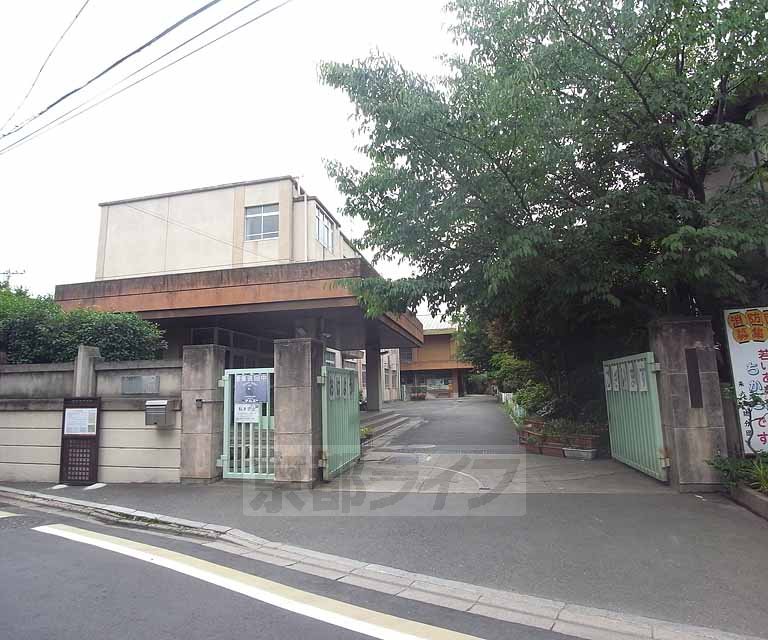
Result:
[
  {"x": 29, "y": 441},
  {"x": 31, "y": 413},
  {"x": 205, "y": 229},
  {"x": 53, "y": 380}
]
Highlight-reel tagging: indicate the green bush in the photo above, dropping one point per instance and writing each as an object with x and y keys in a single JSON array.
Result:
[
  {"x": 532, "y": 396},
  {"x": 751, "y": 471},
  {"x": 37, "y": 330},
  {"x": 511, "y": 373}
]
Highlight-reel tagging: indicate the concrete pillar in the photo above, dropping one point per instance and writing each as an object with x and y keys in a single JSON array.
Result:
[
  {"x": 691, "y": 406},
  {"x": 202, "y": 412},
  {"x": 455, "y": 383},
  {"x": 373, "y": 377},
  {"x": 298, "y": 411},
  {"x": 84, "y": 385}
]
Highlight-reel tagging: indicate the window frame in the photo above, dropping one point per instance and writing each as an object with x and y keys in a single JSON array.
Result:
[
  {"x": 324, "y": 222},
  {"x": 257, "y": 211}
]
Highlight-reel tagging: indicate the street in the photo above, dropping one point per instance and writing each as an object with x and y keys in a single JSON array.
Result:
[
  {"x": 594, "y": 534},
  {"x": 55, "y": 587}
]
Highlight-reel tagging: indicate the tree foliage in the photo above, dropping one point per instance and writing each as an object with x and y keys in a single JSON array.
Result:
[
  {"x": 583, "y": 168},
  {"x": 36, "y": 330}
]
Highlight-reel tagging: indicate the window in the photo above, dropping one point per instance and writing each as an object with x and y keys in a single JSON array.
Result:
[
  {"x": 330, "y": 358},
  {"x": 324, "y": 230},
  {"x": 406, "y": 355},
  {"x": 262, "y": 222}
]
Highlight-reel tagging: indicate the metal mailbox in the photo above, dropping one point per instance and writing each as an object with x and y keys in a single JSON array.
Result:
[{"x": 157, "y": 412}]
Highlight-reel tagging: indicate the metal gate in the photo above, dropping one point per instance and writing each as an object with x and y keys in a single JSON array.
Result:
[
  {"x": 634, "y": 417},
  {"x": 249, "y": 424},
  {"x": 341, "y": 420}
]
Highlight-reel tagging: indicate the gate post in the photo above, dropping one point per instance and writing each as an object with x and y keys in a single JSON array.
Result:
[
  {"x": 298, "y": 411},
  {"x": 202, "y": 419},
  {"x": 689, "y": 394},
  {"x": 373, "y": 377}
]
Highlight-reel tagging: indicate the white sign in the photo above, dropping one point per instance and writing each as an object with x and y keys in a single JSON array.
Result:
[
  {"x": 748, "y": 344},
  {"x": 632, "y": 377},
  {"x": 615, "y": 376},
  {"x": 607, "y": 376},
  {"x": 78, "y": 422},
  {"x": 642, "y": 376}
]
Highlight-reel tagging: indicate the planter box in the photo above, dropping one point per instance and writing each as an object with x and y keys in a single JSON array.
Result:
[
  {"x": 552, "y": 450},
  {"x": 753, "y": 500},
  {"x": 532, "y": 448},
  {"x": 580, "y": 454},
  {"x": 553, "y": 441},
  {"x": 584, "y": 441}
]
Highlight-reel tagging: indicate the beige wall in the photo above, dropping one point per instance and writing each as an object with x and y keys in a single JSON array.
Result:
[
  {"x": 129, "y": 451},
  {"x": 29, "y": 446},
  {"x": 206, "y": 230}
]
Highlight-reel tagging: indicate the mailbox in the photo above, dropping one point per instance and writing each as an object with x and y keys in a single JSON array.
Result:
[{"x": 156, "y": 412}]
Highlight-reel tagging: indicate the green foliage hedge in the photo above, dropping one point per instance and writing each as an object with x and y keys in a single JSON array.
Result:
[
  {"x": 37, "y": 330},
  {"x": 511, "y": 373}
]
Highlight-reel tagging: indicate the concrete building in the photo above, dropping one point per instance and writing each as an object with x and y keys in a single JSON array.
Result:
[
  {"x": 250, "y": 271},
  {"x": 436, "y": 365}
]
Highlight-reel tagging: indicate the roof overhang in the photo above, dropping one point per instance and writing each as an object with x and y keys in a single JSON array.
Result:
[{"x": 281, "y": 293}]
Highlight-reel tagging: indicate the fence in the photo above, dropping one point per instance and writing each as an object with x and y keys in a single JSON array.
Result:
[
  {"x": 341, "y": 421},
  {"x": 508, "y": 400}
]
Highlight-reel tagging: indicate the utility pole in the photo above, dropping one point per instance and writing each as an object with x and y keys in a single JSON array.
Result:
[{"x": 9, "y": 273}]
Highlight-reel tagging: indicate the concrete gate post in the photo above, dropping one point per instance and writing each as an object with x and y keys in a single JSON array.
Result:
[
  {"x": 84, "y": 385},
  {"x": 691, "y": 405},
  {"x": 202, "y": 412},
  {"x": 373, "y": 377},
  {"x": 298, "y": 411}
]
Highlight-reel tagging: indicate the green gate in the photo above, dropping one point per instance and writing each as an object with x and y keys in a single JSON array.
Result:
[
  {"x": 341, "y": 420},
  {"x": 634, "y": 417},
  {"x": 249, "y": 424}
]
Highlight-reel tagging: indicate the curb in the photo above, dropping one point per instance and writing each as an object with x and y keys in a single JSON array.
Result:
[{"x": 570, "y": 619}]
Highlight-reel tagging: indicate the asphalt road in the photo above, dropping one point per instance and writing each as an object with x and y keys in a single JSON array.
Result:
[{"x": 52, "y": 587}]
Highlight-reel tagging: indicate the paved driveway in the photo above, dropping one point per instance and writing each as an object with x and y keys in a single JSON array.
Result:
[{"x": 469, "y": 446}]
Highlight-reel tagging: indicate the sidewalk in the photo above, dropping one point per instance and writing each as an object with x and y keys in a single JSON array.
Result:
[{"x": 682, "y": 558}]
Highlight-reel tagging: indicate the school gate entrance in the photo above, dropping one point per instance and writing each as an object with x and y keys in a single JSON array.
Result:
[
  {"x": 634, "y": 415},
  {"x": 250, "y": 446}
]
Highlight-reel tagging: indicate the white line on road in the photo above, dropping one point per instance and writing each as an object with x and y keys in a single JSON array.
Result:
[
  {"x": 7, "y": 514},
  {"x": 98, "y": 485},
  {"x": 340, "y": 614}
]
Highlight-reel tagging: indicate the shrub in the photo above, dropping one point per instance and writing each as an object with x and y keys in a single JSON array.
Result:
[
  {"x": 532, "y": 396},
  {"x": 37, "y": 330},
  {"x": 510, "y": 373},
  {"x": 753, "y": 472},
  {"x": 559, "y": 407}
]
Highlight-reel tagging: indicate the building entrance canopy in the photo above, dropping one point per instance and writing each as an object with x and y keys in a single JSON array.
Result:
[{"x": 277, "y": 301}]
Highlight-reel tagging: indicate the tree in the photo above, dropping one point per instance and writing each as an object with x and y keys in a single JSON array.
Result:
[
  {"x": 36, "y": 330},
  {"x": 585, "y": 167}
]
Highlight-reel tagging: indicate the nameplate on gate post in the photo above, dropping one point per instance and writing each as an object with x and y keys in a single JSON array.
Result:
[
  {"x": 79, "y": 457},
  {"x": 251, "y": 390}
]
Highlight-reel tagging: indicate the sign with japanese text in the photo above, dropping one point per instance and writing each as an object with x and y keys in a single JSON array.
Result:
[
  {"x": 747, "y": 331},
  {"x": 251, "y": 390}
]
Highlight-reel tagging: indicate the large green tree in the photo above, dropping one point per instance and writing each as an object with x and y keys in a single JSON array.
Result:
[{"x": 583, "y": 167}]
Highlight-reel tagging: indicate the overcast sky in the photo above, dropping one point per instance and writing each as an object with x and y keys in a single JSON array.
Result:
[{"x": 249, "y": 106}]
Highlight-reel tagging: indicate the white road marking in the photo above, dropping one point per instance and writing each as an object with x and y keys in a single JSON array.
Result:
[
  {"x": 7, "y": 514},
  {"x": 59, "y": 486},
  {"x": 98, "y": 485},
  {"x": 340, "y": 614}
]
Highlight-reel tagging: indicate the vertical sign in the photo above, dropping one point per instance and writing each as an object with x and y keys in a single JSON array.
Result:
[
  {"x": 642, "y": 376},
  {"x": 79, "y": 461},
  {"x": 747, "y": 331},
  {"x": 607, "y": 377},
  {"x": 251, "y": 390}
]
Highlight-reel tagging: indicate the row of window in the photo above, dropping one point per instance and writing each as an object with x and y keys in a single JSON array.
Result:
[{"x": 262, "y": 222}]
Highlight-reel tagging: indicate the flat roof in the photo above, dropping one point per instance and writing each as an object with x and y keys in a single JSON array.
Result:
[{"x": 228, "y": 185}]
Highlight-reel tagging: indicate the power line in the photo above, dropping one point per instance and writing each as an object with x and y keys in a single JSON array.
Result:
[
  {"x": 116, "y": 63},
  {"x": 63, "y": 119},
  {"x": 45, "y": 62}
]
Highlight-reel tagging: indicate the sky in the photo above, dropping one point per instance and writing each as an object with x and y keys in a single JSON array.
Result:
[{"x": 247, "y": 107}]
